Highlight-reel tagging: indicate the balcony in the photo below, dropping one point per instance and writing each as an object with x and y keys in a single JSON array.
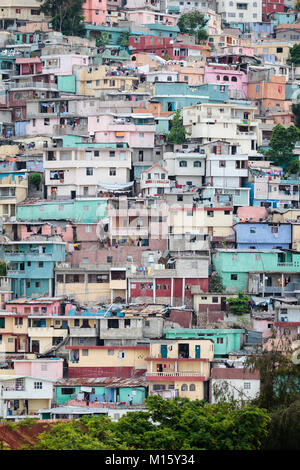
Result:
[
  {"x": 28, "y": 256},
  {"x": 83, "y": 332},
  {"x": 69, "y": 130},
  {"x": 35, "y": 85},
  {"x": 46, "y": 331},
  {"x": 174, "y": 374}
]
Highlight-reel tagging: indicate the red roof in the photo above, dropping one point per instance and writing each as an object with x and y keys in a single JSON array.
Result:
[
  {"x": 28, "y": 60},
  {"x": 234, "y": 373}
]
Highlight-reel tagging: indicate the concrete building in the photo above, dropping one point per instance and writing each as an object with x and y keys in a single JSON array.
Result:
[
  {"x": 233, "y": 123},
  {"x": 80, "y": 171},
  {"x": 179, "y": 368},
  {"x": 233, "y": 383},
  {"x": 23, "y": 395}
]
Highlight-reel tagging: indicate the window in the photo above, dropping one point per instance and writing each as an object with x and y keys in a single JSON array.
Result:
[
  {"x": 197, "y": 164},
  {"x": 184, "y": 388},
  {"x": 89, "y": 171},
  {"x": 67, "y": 391},
  {"x": 85, "y": 352},
  {"x": 38, "y": 385},
  {"x": 222, "y": 164},
  {"x": 18, "y": 321},
  {"x": 247, "y": 385},
  {"x": 192, "y": 388},
  {"x": 183, "y": 164},
  {"x": 112, "y": 172},
  {"x": 215, "y": 300},
  {"x": 41, "y": 264},
  {"x": 233, "y": 277},
  {"x": 220, "y": 340},
  {"x": 110, "y": 352},
  {"x": 121, "y": 355},
  {"x": 210, "y": 213}
]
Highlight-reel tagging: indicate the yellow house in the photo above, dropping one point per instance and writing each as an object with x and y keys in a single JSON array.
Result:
[
  {"x": 94, "y": 79},
  {"x": 13, "y": 332},
  {"x": 97, "y": 361},
  {"x": 280, "y": 50},
  {"x": 45, "y": 332},
  {"x": 216, "y": 222},
  {"x": 13, "y": 190},
  {"x": 180, "y": 368}
]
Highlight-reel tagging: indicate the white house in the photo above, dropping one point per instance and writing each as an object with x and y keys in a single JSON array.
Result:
[
  {"x": 72, "y": 172},
  {"x": 154, "y": 180},
  {"x": 240, "y": 11},
  {"x": 188, "y": 168},
  {"x": 23, "y": 395},
  {"x": 233, "y": 383}
]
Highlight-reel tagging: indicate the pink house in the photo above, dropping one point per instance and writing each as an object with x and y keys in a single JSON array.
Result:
[
  {"x": 140, "y": 17},
  {"x": 236, "y": 79},
  {"x": 130, "y": 129},
  {"x": 38, "y": 228},
  {"x": 264, "y": 325},
  {"x": 40, "y": 306},
  {"x": 95, "y": 11},
  {"x": 51, "y": 369},
  {"x": 29, "y": 65}
]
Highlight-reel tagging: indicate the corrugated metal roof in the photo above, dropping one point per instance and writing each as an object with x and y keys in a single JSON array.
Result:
[{"x": 108, "y": 382}]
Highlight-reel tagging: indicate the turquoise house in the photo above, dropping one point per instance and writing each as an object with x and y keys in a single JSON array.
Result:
[
  {"x": 225, "y": 340},
  {"x": 176, "y": 95},
  {"x": 114, "y": 33},
  {"x": 102, "y": 389},
  {"x": 31, "y": 266},
  {"x": 77, "y": 210}
]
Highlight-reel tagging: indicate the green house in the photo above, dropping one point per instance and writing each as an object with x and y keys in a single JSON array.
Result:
[
  {"x": 225, "y": 340},
  {"x": 235, "y": 266}
]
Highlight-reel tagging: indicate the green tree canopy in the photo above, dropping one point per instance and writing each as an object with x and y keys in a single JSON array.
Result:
[
  {"x": 215, "y": 283},
  {"x": 123, "y": 39},
  {"x": 66, "y": 16},
  {"x": 239, "y": 305},
  {"x": 281, "y": 146},
  {"x": 177, "y": 131},
  {"x": 279, "y": 376},
  {"x": 294, "y": 56},
  {"x": 192, "y": 22},
  {"x": 179, "y": 424}
]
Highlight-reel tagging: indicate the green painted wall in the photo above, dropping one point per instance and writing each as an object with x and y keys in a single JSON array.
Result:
[
  {"x": 241, "y": 262},
  {"x": 66, "y": 83},
  {"x": 83, "y": 210},
  {"x": 231, "y": 337},
  {"x": 139, "y": 396}
]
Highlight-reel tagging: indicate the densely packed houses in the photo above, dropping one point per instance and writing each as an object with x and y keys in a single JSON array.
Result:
[{"x": 137, "y": 203}]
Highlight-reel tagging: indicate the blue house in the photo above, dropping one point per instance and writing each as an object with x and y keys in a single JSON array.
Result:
[
  {"x": 263, "y": 236},
  {"x": 31, "y": 266}
]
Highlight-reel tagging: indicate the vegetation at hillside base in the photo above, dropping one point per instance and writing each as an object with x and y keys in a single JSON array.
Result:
[
  {"x": 179, "y": 424},
  {"x": 279, "y": 375},
  {"x": 66, "y": 16}
]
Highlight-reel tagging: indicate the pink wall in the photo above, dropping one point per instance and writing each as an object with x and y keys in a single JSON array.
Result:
[
  {"x": 40, "y": 128},
  {"x": 95, "y": 11},
  {"x": 262, "y": 326},
  {"x": 148, "y": 17},
  {"x": 54, "y": 307},
  {"x": 211, "y": 74},
  {"x": 34, "y": 368},
  {"x": 118, "y": 254},
  {"x": 105, "y": 131}
]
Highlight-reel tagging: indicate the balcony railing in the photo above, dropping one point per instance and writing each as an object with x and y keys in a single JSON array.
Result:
[
  {"x": 40, "y": 85},
  {"x": 174, "y": 374}
]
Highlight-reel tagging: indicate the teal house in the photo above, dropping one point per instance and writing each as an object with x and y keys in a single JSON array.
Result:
[
  {"x": 77, "y": 210},
  {"x": 238, "y": 267},
  {"x": 101, "y": 389},
  {"x": 225, "y": 340},
  {"x": 113, "y": 33},
  {"x": 31, "y": 266}
]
